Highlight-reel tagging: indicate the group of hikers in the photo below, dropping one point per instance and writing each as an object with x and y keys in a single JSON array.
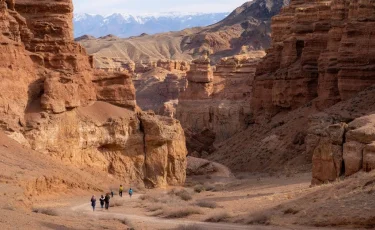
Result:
[{"x": 104, "y": 200}]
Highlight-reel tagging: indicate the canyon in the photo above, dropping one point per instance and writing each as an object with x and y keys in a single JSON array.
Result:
[
  {"x": 54, "y": 102},
  {"x": 271, "y": 108},
  {"x": 250, "y": 110}
]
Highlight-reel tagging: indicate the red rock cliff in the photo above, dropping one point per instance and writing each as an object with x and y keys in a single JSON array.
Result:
[
  {"x": 320, "y": 50},
  {"x": 316, "y": 78},
  {"x": 52, "y": 101}
]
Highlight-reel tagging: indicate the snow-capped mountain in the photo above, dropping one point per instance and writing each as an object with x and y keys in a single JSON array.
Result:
[{"x": 125, "y": 25}]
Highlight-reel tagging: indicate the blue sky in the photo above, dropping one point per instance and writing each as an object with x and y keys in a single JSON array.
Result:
[{"x": 106, "y": 7}]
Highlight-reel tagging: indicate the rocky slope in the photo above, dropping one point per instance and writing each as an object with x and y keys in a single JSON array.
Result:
[
  {"x": 246, "y": 29},
  {"x": 54, "y": 102},
  {"x": 125, "y": 25},
  {"x": 320, "y": 59}
]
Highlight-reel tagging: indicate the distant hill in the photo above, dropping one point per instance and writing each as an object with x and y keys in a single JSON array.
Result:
[
  {"x": 124, "y": 25},
  {"x": 246, "y": 29}
]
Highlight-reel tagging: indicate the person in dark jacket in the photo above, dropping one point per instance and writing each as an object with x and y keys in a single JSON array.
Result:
[
  {"x": 106, "y": 201},
  {"x": 93, "y": 202},
  {"x": 102, "y": 201}
]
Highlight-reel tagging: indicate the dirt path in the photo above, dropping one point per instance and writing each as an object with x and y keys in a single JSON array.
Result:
[{"x": 149, "y": 222}]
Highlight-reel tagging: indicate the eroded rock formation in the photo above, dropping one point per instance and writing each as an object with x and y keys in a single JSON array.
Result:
[
  {"x": 217, "y": 102},
  {"x": 159, "y": 89},
  {"x": 54, "y": 102},
  {"x": 321, "y": 50},
  {"x": 138, "y": 67},
  {"x": 343, "y": 149},
  {"x": 320, "y": 60}
]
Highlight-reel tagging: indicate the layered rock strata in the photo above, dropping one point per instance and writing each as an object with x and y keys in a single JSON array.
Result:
[
  {"x": 114, "y": 64},
  {"x": 158, "y": 90},
  {"x": 320, "y": 50},
  {"x": 54, "y": 102},
  {"x": 320, "y": 60},
  {"x": 217, "y": 102}
]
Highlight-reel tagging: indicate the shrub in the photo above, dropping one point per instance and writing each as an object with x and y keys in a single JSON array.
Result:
[
  {"x": 209, "y": 187},
  {"x": 128, "y": 223},
  {"x": 183, "y": 194},
  {"x": 260, "y": 219},
  {"x": 116, "y": 203},
  {"x": 291, "y": 211},
  {"x": 46, "y": 211},
  {"x": 147, "y": 198},
  {"x": 189, "y": 227},
  {"x": 182, "y": 212},
  {"x": 199, "y": 188},
  {"x": 219, "y": 217},
  {"x": 158, "y": 212},
  {"x": 207, "y": 204},
  {"x": 154, "y": 207},
  {"x": 218, "y": 188}
]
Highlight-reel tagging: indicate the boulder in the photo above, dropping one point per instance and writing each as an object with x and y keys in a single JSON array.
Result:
[
  {"x": 336, "y": 133},
  {"x": 369, "y": 157},
  {"x": 327, "y": 162},
  {"x": 202, "y": 167},
  {"x": 353, "y": 157}
]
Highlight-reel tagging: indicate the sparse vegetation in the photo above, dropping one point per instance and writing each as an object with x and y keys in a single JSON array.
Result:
[
  {"x": 147, "y": 197},
  {"x": 183, "y": 194},
  {"x": 46, "y": 211},
  {"x": 154, "y": 207},
  {"x": 218, "y": 188},
  {"x": 207, "y": 204},
  {"x": 189, "y": 227},
  {"x": 218, "y": 217},
  {"x": 199, "y": 188},
  {"x": 128, "y": 223},
  {"x": 260, "y": 219},
  {"x": 182, "y": 212},
  {"x": 116, "y": 203},
  {"x": 291, "y": 211},
  {"x": 209, "y": 187}
]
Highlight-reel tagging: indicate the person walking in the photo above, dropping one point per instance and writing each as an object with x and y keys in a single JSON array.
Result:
[
  {"x": 130, "y": 192},
  {"x": 106, "y": 201},
  {"x": 93, "y": 202},
  {"x": 112, "y": 194},
  {"x": 102, "y": 201},
  {"x": 121, "y": 189}
]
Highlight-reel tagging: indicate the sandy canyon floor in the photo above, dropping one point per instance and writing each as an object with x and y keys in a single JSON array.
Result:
[{"x": 243, "y": 202}]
